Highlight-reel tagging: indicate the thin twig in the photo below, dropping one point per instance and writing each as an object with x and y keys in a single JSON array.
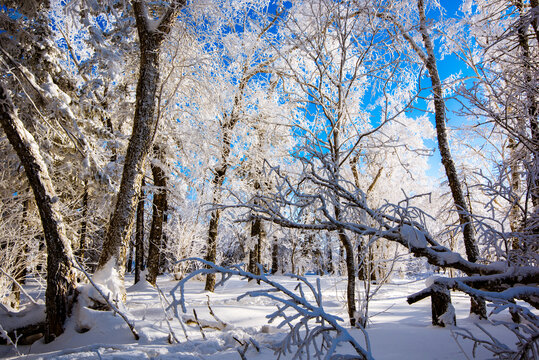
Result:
[
  {"x": 19, "y": 286},
  {"x": 199, "y": 326},
  {"x": 172, "y": 334}
]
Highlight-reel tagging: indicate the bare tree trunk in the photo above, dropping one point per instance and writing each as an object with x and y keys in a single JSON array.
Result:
[
  {"x": 275, "y": 256},
  {"x": 350, "y": 270},
  {"x": 130, "y": 258},
  {"x": 218, "y": 181},
  {"x": 139, "y": 234},
  {"x": 144, "y": 127},
  {"x": 330, "y": 268},
  {"x": 211, "y": 254},
  {"x": 472, "y": 252},
  {"x": 60, "y": 277},
  {"x": 158, "y": 216},
  {"x": 531, "y": 97},
  {"x": 255, "y": 255},
  {"x": 440, "y": 306},
  {"x": 84, "y": 224}
]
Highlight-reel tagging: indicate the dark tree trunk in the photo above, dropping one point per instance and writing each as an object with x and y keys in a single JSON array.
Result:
[
  {"x": 60, "y": 277},
  {"x": 275, "y": 256},
  {"x": 472, "y": 252},
  {"x": 144, "y": 127},
  {"x": 211, "y": 254},
  {"x": 255, "y": 255},
  {"x": 139, "y": 235},
  {"x": 220, "y": 172},
  {"x": 351, "y": 277},
  {"x": 330, "y": 268},
  {"x": 440, "y": 305},
  {"x": 84, "y": 224},
  {"x": 130, "y": 258},
  {"x": 158, "y": 216},
  {"x": 218, "y": 180},
  {"x": 350, "y": 271}
]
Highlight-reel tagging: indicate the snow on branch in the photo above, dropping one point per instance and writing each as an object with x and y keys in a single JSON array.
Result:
[
  {"x": 398, "y": 223},
  {"x": 313, "y": 332}
]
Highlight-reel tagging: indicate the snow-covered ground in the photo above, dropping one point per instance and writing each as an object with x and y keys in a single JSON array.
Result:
[{"x": 396, "y": 330}]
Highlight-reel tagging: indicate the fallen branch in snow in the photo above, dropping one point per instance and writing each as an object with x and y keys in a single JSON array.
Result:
[
  {"x": 171, "y": 334},
  {"x": 4, "y": 334},
  {"x": 245, "y": 345},
  {"x": 527, "y": 334},
  {"x": 221, "y": 322},
  {"x": 323, "y": 337},
  {"x": 198, "y": 323}
]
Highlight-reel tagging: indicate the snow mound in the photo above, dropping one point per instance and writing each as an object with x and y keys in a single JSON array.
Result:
[
  {"x": 28, "y": 315},
  {"x": 109, "y": 282}
]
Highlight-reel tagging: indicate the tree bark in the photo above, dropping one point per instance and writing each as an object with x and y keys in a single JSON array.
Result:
[
  {"x": 158, "y": 217},
  {"x": 472, "y": 252},
  {"x": 531, "y": 100},
  {"x": 330, "y": 268},
  {"x": 139, "y": 235},
  {"x": 275, "y": 256},
  {"x": 130, "y": 258},
  {"x": 218, "y": 181},
  {"x": 255, "y": 255},
  {"x": 144, "y": 128},
  {"x": 60, "y": 276},
  {"x": 211, "y": 254},
  {"x": 84, "y": 224}
]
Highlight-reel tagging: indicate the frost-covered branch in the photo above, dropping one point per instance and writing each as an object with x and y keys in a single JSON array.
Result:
[{"x": 311, "y": 328}]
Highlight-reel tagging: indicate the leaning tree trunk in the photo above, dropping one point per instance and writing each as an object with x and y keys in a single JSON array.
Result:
[
  {"x": 472, "y": 252},
  {"x": 159, "y": 213},
  {"x": 60, "y": 275},
  {"x": 139, "y": 235},
  {"x": 144, "y": 127}
]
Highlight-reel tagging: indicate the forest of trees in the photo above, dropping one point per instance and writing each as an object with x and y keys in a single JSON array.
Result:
[{"x": 293, "y": 137}]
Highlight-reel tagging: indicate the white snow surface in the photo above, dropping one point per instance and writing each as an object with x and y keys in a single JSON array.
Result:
[
  {"x": 108, "y": 281},
  {"x": 396, "y": 330}
]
